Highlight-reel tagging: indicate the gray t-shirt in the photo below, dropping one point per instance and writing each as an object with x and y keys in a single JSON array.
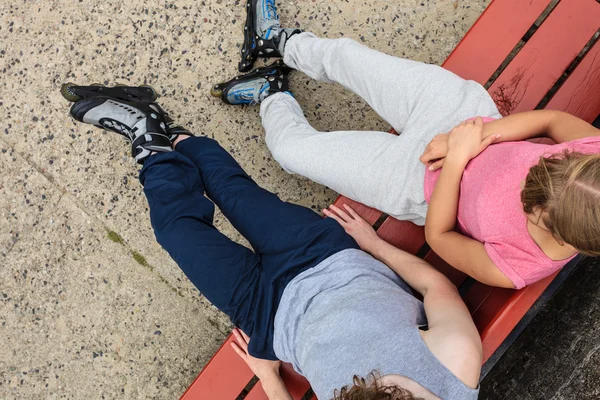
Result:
[{"x": 351, "y": 315}]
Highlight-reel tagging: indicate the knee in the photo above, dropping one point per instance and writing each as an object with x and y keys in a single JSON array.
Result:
[
  {"x": 166, "y": 189},
  {"x": 167, "y": 180},
  {"x": 282, "y": 148},
  {"x": 203, "y": 141},
  {"x": 279, "y": 152}
]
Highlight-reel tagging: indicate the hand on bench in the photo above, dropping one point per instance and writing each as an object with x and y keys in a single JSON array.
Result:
[{"x": 267, "y": 371}]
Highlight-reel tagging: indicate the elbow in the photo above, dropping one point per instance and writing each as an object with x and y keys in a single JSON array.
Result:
[
  {"x": 429, "y": 234},
  {"x": 440, "y": 284},
  {"x": 432, "y": 238}
]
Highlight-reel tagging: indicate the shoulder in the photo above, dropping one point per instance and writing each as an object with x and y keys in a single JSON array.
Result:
[{"x": 461, "y": 354}]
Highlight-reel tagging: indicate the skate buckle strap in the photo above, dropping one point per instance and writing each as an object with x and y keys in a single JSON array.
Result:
[
  {"x": 256, "y": 95},
  {"x": 147, "y": 143}
]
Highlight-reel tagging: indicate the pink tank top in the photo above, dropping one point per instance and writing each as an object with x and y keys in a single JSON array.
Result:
[{"x": 490, "y": 209}]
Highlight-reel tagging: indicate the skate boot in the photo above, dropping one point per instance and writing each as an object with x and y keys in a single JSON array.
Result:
[
  {"x": 133, "y": 94},
  {"x": 255, "y": 86},
  {"x": 128, "y": 111},
  {"x": 263, "y": 35},
  {"x": 74, "y": 93}
]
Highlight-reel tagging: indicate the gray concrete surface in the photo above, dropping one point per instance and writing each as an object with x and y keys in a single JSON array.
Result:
[{"x": 90, "y": 306}]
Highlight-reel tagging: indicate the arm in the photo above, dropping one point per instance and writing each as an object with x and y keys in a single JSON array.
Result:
[
  {"x": 452, "y": 336},
  {"x": 557, "y": 125},
  {"x": 463, "y": 253},
  {"x": 267, "y": 371},
  {"x": 275, "y": 388}
]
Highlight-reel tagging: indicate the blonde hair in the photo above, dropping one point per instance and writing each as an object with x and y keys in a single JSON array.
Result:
[
  {"x": 566, "y": 187},
  {"x": 371, "y": 389}
]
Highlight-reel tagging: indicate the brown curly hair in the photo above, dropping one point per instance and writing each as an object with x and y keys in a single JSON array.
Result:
[
  {"x": 371, "y": 389},
  {"x": 566, "y": 186}
]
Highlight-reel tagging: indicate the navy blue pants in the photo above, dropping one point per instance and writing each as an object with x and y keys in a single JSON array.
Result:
[{"x": 247, "y": 285}]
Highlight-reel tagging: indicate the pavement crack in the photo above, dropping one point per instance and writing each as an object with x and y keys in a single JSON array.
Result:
[
  {"x": 12, "y": 245},
  {"x": 64, "y": 192}
]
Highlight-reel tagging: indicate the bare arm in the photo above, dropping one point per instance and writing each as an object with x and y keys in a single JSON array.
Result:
[
  {"x": 557, "y": 125},
  {"x": 463, "y": 253},
  {"x": 275, "y": 389},
  {"x": 452, "y": 336}
]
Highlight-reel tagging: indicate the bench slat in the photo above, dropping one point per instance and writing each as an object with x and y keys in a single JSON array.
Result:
[
  {"x": 491, "y": 39},
  {"x": 502, "y": 311},
  {"x": 402, "y": 234},
  {"x": 580, "y": 95},
  {"x": 546, "y": 56},
  {"x": 224, "y": 377}
]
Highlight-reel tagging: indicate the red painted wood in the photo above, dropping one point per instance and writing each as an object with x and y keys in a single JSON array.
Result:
[
  {"x": 296, "y": 385},
  {"x": 492, "y": 38},
  {"x": 402, "y": 234},
  {"x": 502, "y": 311},
  {"x": 224, "y": 377},
  {"x": 580, "y": 94},
  {"x": 371, "y": 215},
  {"x": 476, "y": 296},
  {"x": 546, "y": 56}
]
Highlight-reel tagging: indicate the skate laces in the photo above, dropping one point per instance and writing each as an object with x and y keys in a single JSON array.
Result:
[
  {"x": 251, "y": 95},
  {"x": 270, "y": 19},
  {"x": 271, "y": 10}
]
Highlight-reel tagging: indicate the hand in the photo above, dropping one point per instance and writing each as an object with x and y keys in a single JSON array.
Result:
[
  {"x": 435, "y": 153},
  {"x": 355, "y": 226},
  {"x": 263, "y": 369},
  {"x": 466, "y": 141}
]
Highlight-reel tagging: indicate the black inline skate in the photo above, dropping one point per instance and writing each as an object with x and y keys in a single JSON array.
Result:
[
  {"x": 263, "y": 35},
  {"x": 255, "y": 86},
  {"x": 74, "y": 93},
  {"x": 129, "y": 111}
]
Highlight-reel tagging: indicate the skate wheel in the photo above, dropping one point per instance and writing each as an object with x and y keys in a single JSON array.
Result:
[
  {"x": 67, "y": 94},
  {"x": 154, "y": 92},
  {"x": 216, "y": 91}
]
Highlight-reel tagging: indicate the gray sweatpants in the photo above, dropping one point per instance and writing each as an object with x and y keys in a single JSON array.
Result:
[{"x": 375, "y": 168}]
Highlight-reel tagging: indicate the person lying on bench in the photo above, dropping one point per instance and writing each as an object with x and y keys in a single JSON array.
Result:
[
  {"x": 307, "y": 294},
  {"x": 509, "y": 235}
]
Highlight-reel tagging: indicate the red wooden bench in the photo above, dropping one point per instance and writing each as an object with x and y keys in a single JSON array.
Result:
[{"x": 529, "y": 55}]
